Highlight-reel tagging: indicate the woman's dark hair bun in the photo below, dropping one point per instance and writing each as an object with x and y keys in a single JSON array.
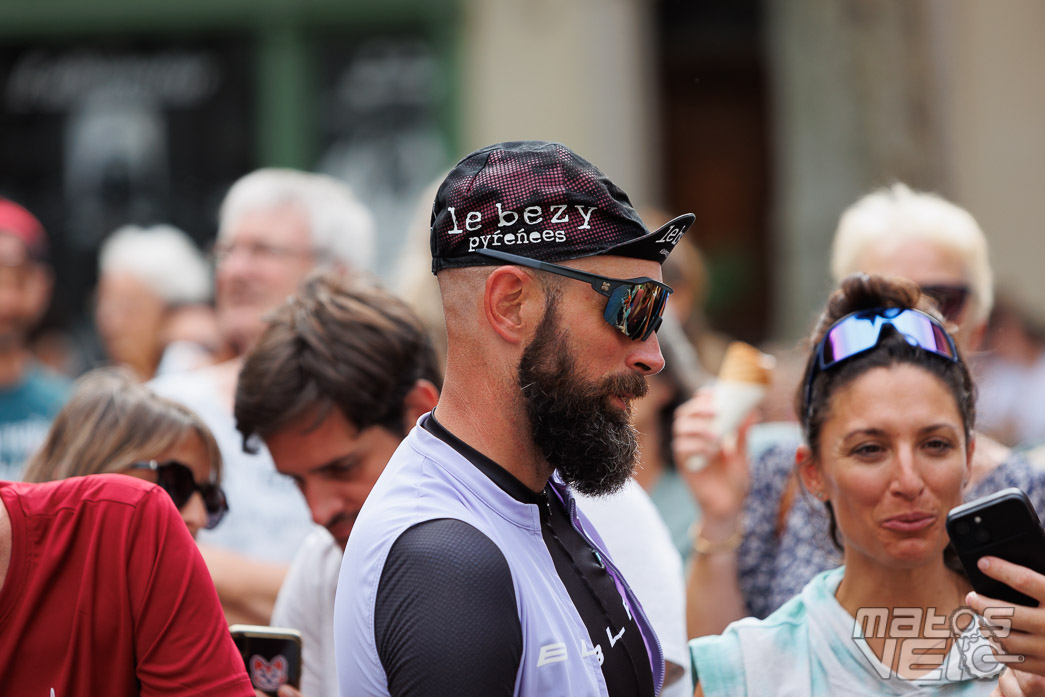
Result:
[{"x": 859, "y": 291}]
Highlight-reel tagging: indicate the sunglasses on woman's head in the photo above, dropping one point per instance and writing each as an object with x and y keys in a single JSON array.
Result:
[
  {"x": 949, "y": 299},
  {"x": 861, "y": 331},
  {"x": 633, "y": 306},
  {"x": 178, "y": 481}
]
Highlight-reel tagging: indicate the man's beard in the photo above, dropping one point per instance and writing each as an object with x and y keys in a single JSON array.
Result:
[{"x": 592, "y": 444}]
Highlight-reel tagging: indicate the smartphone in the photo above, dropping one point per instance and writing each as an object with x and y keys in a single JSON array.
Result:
[
  {"x": 1002, "y": 525},
  {"x": 272, "y": 655}
]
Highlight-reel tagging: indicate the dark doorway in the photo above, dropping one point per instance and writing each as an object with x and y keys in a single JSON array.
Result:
[{"x": 716, "y": 150}]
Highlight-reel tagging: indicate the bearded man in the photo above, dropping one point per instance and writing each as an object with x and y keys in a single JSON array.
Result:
[{"x": 470, "y": 570}]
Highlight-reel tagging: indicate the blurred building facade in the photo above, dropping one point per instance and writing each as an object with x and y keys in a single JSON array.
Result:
[{"x": 764, "y": 117}]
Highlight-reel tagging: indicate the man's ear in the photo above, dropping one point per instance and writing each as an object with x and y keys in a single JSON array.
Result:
[
  {"x": 510, "y": 302},
  {"x": 421, "y": 399}
]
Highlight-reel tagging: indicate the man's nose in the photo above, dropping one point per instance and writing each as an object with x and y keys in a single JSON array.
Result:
[
  {"x": 323, "y": 505},
  {"x": 645, "y": 356}
]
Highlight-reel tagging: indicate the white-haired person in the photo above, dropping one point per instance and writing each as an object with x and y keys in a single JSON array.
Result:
[
  {"x": 887, "y": 409},
  {"x": 897, "y": 231},
  {"x": 151, "y": 281},
  {"x": 276, "y": 225},
  {"x": 759, "y": 541}
]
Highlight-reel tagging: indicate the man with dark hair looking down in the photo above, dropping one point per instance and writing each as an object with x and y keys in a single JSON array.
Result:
[
  {"x": 276, "y": 226},
  {"x": 470, "y": 570},
  {"x": 340, "y": 373}
]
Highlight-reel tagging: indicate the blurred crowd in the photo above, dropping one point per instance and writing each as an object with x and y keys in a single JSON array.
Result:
[{"x": 231, "y": 373}]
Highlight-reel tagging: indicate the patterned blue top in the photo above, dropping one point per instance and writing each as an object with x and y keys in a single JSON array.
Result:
[{"x": 773, "y": 569}]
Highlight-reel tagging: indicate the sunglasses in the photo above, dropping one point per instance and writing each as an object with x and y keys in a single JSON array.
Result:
[
  {"x": 177, "y": 480},
  {"x": 862, "y": 331},
  {"x": 633, "y": 306},
  {"x": 949, "y": 299}
]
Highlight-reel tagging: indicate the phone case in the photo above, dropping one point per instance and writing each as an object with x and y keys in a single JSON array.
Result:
[
  {"x": 1002, "y": 525},
  {"x": 272, "y": 655}
]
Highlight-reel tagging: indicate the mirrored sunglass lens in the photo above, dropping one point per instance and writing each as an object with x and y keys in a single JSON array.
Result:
[
  {"x": 633, "y": 308},
  {"x": 924, "y": 332},
  {"x": 618, "y": 308},
  {"x": 657, "y": 304},
  {"x": 641, "y": 314},
  {"x": 849, "y": 337},
  {"x": 857, "y": 334}
]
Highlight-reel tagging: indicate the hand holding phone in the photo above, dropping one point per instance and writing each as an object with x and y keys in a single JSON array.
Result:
[
  {"x": 1002, "y": 525},
  {"x": 272, "y": 655}
]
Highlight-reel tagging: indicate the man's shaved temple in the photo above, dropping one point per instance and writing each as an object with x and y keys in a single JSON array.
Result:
[{"x": 462, "y": 293}]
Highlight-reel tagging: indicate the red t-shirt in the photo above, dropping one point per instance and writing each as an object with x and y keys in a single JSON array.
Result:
[{"x": 107, "y": 594}]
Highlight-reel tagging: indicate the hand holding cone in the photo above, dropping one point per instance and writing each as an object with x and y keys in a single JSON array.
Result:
[{"x": 741, "y": 384}]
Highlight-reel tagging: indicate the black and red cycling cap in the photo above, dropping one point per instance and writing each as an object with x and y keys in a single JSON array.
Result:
[{"x": 541, "y": 200}]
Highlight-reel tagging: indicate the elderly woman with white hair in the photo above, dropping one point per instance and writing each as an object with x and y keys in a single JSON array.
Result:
[
  {"x": 899, "y": 232},
  {"x": 151, "y": 309},
  {"x": 761, "y": 540}
]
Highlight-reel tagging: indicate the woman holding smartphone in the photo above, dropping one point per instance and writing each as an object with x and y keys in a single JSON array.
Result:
[
  {"x": 767, "y": 541},
  {"x": 887, "y": 413}
]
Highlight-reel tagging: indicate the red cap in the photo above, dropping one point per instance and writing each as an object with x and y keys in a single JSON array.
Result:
[{"x": 18, "y": 222}]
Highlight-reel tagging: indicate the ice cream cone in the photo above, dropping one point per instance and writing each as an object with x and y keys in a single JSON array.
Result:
[{"x": 741, "y": 384}]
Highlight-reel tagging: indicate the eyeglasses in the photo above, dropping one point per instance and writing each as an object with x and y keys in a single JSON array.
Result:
[
  {"x": 177, "y": 480},
  {"x": 949, "y": 299},
  {"x": 255, "y": 251},
  {"x": 633, "y": 306},
  {"x": 862, "y": 331}
]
